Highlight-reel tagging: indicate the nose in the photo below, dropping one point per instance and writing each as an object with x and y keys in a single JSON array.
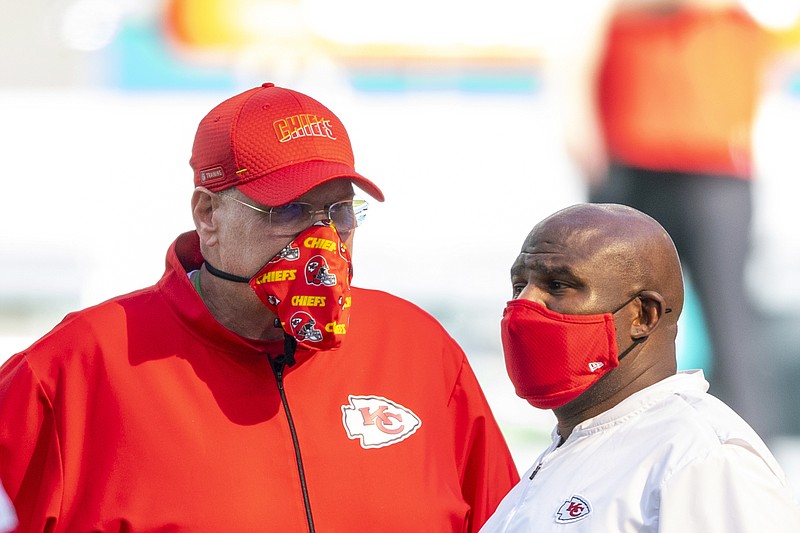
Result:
[
  {"x": 531, "y": 293},
  {"x": 325, "y": 215},
  {"x": 319, "y": 214}
]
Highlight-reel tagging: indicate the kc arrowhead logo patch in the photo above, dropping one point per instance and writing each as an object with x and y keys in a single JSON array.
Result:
[
  {"x": 378, "y": 422},
  {"x": 575, "y": 509}
]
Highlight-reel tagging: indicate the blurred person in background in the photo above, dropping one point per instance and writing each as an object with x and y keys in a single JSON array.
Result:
[
  {"x": 661, "y": 100},
  {"x": 252, "y": 388},
  {"x": 638, "y": 446}
]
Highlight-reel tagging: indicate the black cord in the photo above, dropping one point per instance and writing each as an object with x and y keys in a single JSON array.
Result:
[{"x": 225, "y": 275}]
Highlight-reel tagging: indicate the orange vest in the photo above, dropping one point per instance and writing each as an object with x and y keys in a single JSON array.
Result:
[{"x": 678, "y": 90}]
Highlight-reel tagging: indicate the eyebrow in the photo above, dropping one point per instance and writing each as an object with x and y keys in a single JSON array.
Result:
[{"x": 541, "y": 265}]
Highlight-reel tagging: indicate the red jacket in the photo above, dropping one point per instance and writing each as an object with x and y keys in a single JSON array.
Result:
[{"x": 144, "y": 414}]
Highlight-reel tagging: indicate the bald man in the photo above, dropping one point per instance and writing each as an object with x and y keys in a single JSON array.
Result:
[{"x": 590, "y": 333}]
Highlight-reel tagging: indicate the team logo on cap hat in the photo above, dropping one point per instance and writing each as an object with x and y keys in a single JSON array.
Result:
[{"x": 304, "y": 125}]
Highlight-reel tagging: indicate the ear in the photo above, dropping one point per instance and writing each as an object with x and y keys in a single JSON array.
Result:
[
  {"x": 203, "y": 204},
  {"x": 652, "y": 308}
]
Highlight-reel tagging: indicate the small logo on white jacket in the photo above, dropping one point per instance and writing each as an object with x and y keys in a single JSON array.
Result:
[
  {"x": 572, "y": 510},
  {"x": 378, "y": 422}
]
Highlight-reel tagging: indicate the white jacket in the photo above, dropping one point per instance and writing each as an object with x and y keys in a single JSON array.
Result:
[{"x": 670, "y": 458}]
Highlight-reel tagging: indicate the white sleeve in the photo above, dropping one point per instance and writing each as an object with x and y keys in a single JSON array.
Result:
[
  {"x": 731, "y": 490},
  {"x": 8, "y": 518}
]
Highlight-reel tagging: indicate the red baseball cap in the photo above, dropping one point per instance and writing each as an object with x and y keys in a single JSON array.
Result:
[{"x": 275, "y": 145}]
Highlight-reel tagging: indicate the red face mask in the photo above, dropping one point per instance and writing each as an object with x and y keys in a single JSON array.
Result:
[
  {"x": 552, "y": 358},
  {"x": 308, "y": 286}
]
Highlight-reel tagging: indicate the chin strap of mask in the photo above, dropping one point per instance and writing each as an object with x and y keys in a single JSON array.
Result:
[
  {"x": 225, "y": 275},
  {"x": 631, "y": 347},
  {"x": 289, "y": 342}
]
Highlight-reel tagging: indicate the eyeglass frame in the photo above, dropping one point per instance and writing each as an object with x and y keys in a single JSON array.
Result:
[{"x": 359, "y": 214}]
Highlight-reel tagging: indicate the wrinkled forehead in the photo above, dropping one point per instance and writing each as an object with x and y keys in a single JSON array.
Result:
[
  {"x": 565, "y": 236},
  {"x": 556, "y": 245}
]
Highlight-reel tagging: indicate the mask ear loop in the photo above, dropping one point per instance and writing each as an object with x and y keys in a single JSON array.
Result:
[
  {"x": 635, "y": 341},
  {"x": 289, "y": 342},
  {"x": 631, "y": 347},
  {"x": 629, "y": 300},
  {"x": 225, "y": 275}
]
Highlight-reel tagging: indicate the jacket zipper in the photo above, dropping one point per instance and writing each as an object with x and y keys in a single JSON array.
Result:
[{"x": 278, "y": 364}]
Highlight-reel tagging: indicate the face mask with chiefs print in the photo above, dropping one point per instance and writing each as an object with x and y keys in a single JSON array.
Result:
[{"x": 307, "y": 285}]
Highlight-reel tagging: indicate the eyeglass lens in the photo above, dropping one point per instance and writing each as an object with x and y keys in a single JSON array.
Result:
[{"x": 345, "y": 215}]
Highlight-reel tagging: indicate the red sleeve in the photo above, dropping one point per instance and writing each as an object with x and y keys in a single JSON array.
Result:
[
  {"x": 488, "y": 471},
  {"x": 30, "y": 461}
]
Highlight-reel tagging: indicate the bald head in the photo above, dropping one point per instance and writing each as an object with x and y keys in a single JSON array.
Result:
[
  {"x": 598, "y": 260},
  {"x": 622, "y": 243},
  {"x": 606, "y": 259}
]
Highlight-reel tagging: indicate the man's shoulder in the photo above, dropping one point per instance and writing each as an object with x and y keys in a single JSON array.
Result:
[
  {"x": 691, "y": 425},
  {"x": 82, "y": 329},
  {"x": 369, "y": 299},
  {"x": 389, "y": 314}
]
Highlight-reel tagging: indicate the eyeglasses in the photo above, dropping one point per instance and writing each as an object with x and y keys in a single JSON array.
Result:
[{"x": 346, "y": 215}]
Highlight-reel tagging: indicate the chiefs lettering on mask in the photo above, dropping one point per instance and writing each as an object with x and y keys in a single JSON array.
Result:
[{"x": 307, "y": 285}]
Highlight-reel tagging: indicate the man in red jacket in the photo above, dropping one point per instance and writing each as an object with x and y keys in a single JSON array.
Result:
[{"x": 252, "y": 388}]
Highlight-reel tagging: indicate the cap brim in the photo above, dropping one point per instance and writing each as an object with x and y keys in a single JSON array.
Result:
[{"x": 289, "y": 183}]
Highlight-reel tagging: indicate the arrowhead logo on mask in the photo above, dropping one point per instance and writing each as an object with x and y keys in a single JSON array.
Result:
[{"x": 307, "y": 285}]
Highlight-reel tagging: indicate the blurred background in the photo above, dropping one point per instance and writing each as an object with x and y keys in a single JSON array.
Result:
[{"x": 455, "y": 108}]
